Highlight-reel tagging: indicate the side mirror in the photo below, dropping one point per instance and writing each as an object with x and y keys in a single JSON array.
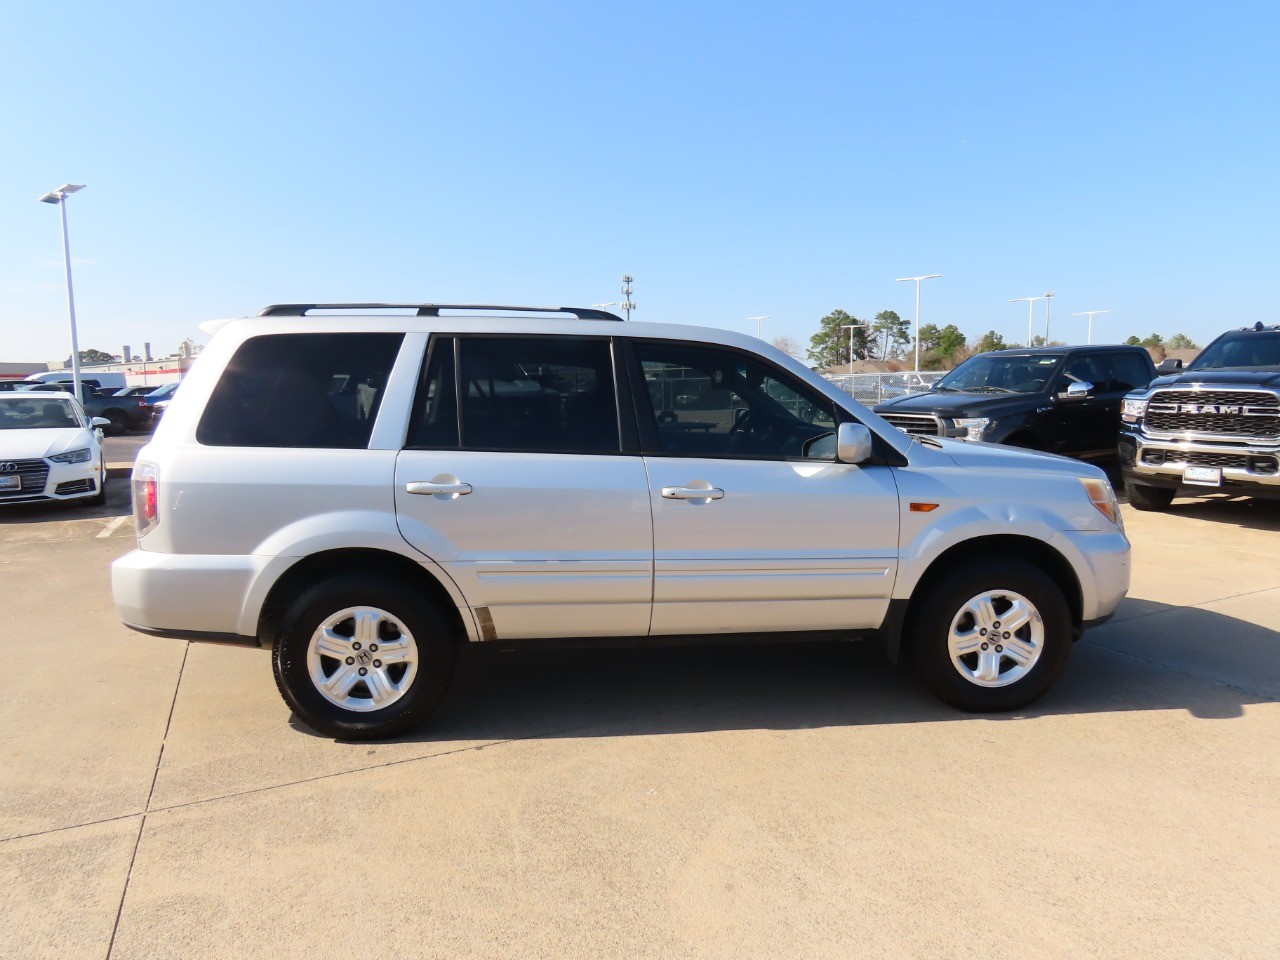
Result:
[
  {"x": 1078, "y": 390},
  {"x": 100, "y": 422},
  {"x": 853, "y": 443},
  {"x": 1170, "y": 365}
]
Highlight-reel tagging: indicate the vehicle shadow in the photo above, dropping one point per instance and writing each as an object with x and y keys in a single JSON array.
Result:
[
  {"x": 119, "y": 504},
  {"x": 1159, "y": 658},
  {"x": 1238, "y": 511}
]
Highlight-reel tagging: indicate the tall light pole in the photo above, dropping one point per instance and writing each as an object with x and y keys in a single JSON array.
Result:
[
  {"x": 917, "y": 280},
  {"x": 1089, "y": 314},
  {"x": 759, "y": 321},
  {"x": 1048, "y": 301},
  {"x": 627, "y": 304},
  {"x": 1031, "y": 307},
  {"x": 59, "y": 197},
  {"x": 852, "y": 327}
]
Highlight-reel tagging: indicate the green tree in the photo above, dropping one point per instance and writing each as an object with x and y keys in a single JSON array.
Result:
[
  {"x": 890, "y": 335},
  {"x": 940, "y": 347},
  {"x": 1180, "y": 341},
  {"x": 829, "y": 347},
  {"x": 1155, "y": 340},
  {"x": 95, "y": 356},
  {"x": 1134, "y": 341},
  {"x": 990, "y": 341}
]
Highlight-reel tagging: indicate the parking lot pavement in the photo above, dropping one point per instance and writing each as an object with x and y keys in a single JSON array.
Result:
[{"x": 732, "y": 802}]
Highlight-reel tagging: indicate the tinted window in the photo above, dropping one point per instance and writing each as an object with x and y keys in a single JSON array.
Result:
[
  {"x": 300, "y": 390},
  {"x": 1001, "y": 373},
  {"x": 1085, "y": 368},
  {"x": 538, "y": 394},
  {"x": 716, "y": 403},
  {"x": 435, "y": 412},
  {"x": 1128, "y": 371},
  {"x": 1246, "y": 349}
]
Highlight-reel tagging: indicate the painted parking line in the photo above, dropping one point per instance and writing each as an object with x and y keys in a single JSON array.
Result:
[{"x": 112, "y": 527}]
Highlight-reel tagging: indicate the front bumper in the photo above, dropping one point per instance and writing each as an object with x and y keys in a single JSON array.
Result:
[
  {"x": 1254, "y": 468},
  {"x": 51, "y": 482}
]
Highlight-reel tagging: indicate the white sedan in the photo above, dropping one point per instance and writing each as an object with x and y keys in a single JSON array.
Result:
[{"x": 49, "y": 450}]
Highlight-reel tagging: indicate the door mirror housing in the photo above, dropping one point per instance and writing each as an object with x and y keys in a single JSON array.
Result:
[
  {"x": 853, "y": 443},
  {"x": 1169, "y": 365},
  {"x": 100, "y": 422},
  {"x": 1078, "y": 390}
]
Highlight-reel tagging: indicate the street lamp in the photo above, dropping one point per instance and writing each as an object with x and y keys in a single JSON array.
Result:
[
  {"x": 758, "y": 321},
  {"x": 852, "y": 327},
  {"x": 917, "y": 280},
  {"x": 1089, "y": 314},
  {"x": 1048, "y": 301},
  {"x": 59, "y": 197},
  {"x": 1031, "y": 306}
]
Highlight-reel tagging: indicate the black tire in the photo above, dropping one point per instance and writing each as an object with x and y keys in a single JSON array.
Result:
[
  {"x": 1142, "y": 497},
  {"x": 930, "y": 624},
  {"x": 432, "y": 635},
  {"x": 99, "y": 498},
  {"x": 118, "y": 423}
]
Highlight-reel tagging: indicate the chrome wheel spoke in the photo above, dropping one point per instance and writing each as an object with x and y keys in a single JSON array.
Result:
[
  {"x": 1020, "y": 651},
  {"x": 984, "y": 611},
  {"x": 1017, "y": 616},
  {"x": 332, "y": 644},
  {"x": 988, "y": 669},
  {"x": 341, "y": 681},
  {"x": 966, "y": 643},
  {"x": 381, "y": 690},
  {"x": 367, "y": 622},
  {"x": 396, "y": 651}
]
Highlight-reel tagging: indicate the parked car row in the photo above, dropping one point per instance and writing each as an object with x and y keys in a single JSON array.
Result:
[
  {"x": 50, "y": 450},
  {"x": 128, "y": 408},
  {"x": 1212, "y": 427}
]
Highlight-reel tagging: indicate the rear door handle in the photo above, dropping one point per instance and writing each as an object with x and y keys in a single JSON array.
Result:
[
  {"x": 692, "y": 493},
  {"x": 430, "y": 487}
]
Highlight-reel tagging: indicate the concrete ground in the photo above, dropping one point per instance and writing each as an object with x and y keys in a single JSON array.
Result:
[{"x": 728, "y": 802}]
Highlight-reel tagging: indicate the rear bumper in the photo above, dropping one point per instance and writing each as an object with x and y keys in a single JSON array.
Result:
[{"x": 184, "y": 595}]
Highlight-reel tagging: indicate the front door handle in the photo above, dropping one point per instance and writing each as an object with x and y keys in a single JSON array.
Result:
[
  {"x": 430, "y": 487},
  {"x": 693, "y": 493}
]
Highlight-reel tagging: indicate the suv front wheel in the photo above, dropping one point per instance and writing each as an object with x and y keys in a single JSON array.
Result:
[
  {"x": 991, "y": 637},
  {"x": 362, "y": 657}
]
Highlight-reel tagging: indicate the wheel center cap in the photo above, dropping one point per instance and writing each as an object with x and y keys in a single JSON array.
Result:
[{"x": 364, "y": 658}]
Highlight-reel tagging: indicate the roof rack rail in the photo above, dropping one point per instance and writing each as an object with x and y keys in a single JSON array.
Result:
[{"x": 430, "y": 309}]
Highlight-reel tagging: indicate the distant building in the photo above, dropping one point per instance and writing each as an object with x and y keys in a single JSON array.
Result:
[{"x": 20, "y": 371}]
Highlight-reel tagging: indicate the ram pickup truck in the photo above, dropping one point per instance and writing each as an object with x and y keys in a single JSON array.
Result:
[{"x": 1214, "y": 427}]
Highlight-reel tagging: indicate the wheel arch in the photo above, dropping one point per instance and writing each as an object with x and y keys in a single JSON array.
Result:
[
  {"x": 1029, "y": 550},
  {"x": 318, "y": 566}
]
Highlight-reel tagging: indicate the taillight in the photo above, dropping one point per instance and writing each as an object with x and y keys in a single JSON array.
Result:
[{"x": 146, "y": 500}]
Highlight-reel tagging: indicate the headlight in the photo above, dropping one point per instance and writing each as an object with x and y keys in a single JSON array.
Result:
[
  {"x": 1132, "y": 411},
  {"x": 973, "y": 426},
  {"x": 73, "y": 456},
  {"x": 1104, "y": 498}
]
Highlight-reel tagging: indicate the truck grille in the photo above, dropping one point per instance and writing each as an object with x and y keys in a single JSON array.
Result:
[
  {"x": 1246, "y": 414},
  {"x": 34, "y": 473},
  {"x": 1265, "y": 465},
  {"x": 918, "y": 424}
]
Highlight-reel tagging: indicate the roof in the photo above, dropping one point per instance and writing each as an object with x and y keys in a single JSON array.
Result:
[{"x": 1059, "y": 351}]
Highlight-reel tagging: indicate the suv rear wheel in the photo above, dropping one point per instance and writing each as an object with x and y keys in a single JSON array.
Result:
[
  {"x": 362, "y": 657},
  {"x": 991, "y": 637}
]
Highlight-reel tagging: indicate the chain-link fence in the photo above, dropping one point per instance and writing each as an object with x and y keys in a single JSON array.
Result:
[{"x": 873, "y": 388}]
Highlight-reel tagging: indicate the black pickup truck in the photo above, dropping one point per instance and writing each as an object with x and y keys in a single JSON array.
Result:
[
  {"x": 125, "y": 413},
  {"x": 1058, "y": 399},
  {"x": 1214, "y": 427}
]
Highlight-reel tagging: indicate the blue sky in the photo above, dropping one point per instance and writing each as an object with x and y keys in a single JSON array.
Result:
[{"x": 737, "y": 159}]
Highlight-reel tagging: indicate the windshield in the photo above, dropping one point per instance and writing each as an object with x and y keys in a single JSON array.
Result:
[
  {"x": 37, "y": 415},
  {"x": 1000, "y": 373},
  {"x": 1248, "y": 348}
]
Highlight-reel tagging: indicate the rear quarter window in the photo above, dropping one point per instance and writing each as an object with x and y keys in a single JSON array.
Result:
[{"x": 300, "y": 390}]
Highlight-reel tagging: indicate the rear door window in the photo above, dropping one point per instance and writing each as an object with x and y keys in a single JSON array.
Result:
[{"x": 300, "y": 390}]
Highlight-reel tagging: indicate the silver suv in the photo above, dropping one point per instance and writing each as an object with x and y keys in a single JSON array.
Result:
[{"x": 362, "y": 488}]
